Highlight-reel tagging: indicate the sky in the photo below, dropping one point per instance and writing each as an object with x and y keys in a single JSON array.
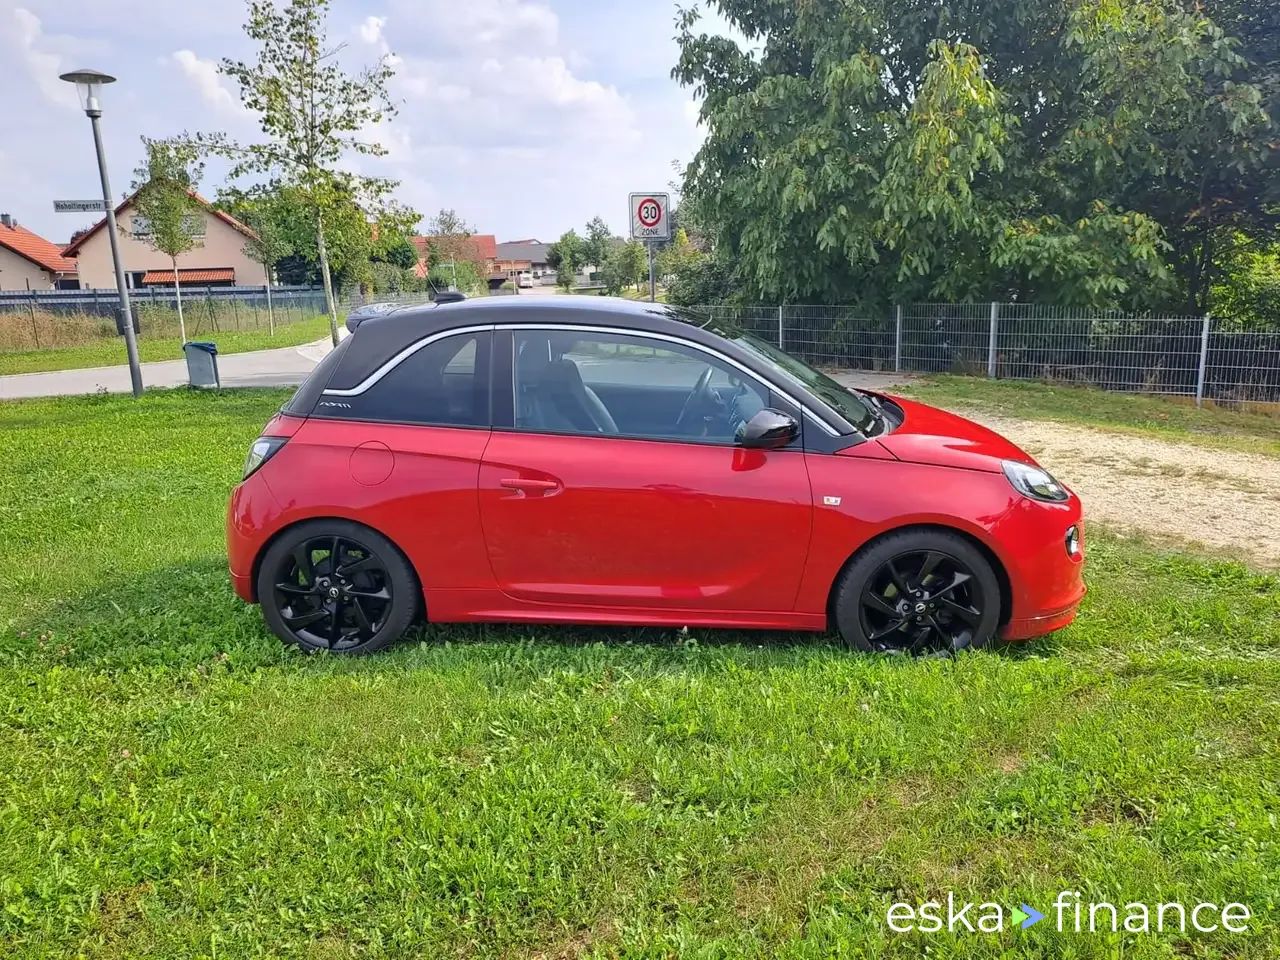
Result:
[{"x": 527, "y": 117}]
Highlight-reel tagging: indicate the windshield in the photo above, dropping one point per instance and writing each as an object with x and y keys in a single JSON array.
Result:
[{"x": 859, "y": 412}]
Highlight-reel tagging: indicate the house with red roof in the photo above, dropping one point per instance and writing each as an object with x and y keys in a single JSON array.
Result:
[
  {"x": 218, "y": 261},
  {"x": 30, "y": 262}
]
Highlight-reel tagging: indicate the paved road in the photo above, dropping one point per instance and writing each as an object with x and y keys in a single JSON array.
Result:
[{"x": 286, "y": 366}]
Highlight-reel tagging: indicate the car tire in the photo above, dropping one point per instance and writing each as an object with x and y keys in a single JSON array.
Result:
[
  {"x": 361, "y": 604},
  {"x": 920, "y": 592}
]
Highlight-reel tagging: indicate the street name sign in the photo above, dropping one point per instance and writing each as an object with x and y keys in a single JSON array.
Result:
[{"x": 79, "y": 206}]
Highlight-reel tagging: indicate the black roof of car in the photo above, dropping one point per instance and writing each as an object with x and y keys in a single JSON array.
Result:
[{"x": 377, "y": 339}]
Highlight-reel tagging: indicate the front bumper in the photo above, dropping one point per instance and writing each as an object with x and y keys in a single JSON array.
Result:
[{"x": 1046, "y": 581}]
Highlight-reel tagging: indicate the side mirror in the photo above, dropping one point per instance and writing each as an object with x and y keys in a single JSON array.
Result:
[{"x": 769, "y": 430}]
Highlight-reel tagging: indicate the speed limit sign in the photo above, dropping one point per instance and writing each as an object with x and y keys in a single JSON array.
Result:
[{"x": 649, "y": 219}]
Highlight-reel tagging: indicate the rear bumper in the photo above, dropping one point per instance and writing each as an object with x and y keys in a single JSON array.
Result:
[{"x": 251, "y": 516}]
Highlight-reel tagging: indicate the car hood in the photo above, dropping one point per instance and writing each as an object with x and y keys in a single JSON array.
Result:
[{"x": 930, "y": 435}]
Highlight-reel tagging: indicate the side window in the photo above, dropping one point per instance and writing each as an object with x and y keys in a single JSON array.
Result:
[
  {"x": 631, "y": 386},
  {"x": 445, "y": 383}
]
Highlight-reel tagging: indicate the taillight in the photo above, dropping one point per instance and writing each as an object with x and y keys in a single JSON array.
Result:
[{"x": 263, "y": 449}]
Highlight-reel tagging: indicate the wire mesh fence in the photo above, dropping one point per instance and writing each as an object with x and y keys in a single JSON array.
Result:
[
  {"x": 47, "y": 319},
  {"x": 946, "y": 337},
  {"x": 1243, "y": 369},
  {"x": 1165, "y": 355}
]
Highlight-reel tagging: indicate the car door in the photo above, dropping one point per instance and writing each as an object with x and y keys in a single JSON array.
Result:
[
  {"x": 406, "y": 454},
  {"x": 619, "y": 508}
]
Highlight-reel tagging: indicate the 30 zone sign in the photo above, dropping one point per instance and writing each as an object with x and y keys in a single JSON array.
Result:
[{"x": 649, "y": 219}]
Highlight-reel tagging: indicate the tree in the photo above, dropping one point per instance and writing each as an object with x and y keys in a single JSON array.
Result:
[
  {"x": 1247, "y": 296},
  {"x": 675, "y": 254},
  {"x": 624, "y": 265},
  {"x": 312, "y": 113},
  {"x": 701, "y": 279},
  {"x": 597, "y": 243},
  {"x": 567, "y": 256},
  {"x": 464, "y": 275},
  {"x": 355, "y": 239},
  {"x": 1081, "y": 152},
  {"x": 270, "y": 243},
  {"x": 635, "y": 261},
  {"x": 401, "y": 253},
  {"x": 450, "y": 243},
  {"x": 164, "y": 201}
]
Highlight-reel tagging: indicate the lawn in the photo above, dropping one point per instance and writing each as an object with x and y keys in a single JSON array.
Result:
[
  {"x": 109, "y": 352},
  {"x": 1172, "y": 418},
  {"x": 174, "y": 783}
]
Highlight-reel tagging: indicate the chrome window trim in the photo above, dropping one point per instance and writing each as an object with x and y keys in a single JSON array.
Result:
[
  {"x": 405, "y": 354},
  {"x": 414, "y": 347}
]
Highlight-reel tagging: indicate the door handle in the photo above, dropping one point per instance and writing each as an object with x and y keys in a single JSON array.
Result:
[{"x": 524, "y": 483}]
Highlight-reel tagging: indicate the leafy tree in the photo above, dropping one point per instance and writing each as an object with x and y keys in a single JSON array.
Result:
[
  {"x": 258, "y": 210},
  {"x": 450, "y": 237},
  {"x": 701, "y": 279},
  {"x": 612, "y": 276},
  {"x": 465, "y": 275},
  {"x": 567, "y": 256},
  {"x": 401, "y": 253},
  {"x": 635, "y": 262},
  {"x": 164, "y": 197},
  {"x": 1248, "y": 295},
  {"x": 679, "y": 251},
  {"x": 356, "y": 238},
  {"x": 313, "y": 115},
  {"x": 597, "y": 243},
  {"x": 1073, "y": 151}
]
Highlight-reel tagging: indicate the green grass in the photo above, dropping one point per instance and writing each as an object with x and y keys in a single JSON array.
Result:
[
  {"x": 1173, "y": 419},
  {"x": 111, "y": 351},
  {"x": 174, "y": 783}
]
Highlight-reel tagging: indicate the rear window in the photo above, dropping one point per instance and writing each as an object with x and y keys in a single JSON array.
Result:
[{"x": 303, "y": 401}]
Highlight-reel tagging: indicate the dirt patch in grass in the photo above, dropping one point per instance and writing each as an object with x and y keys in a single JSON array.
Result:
[{"x": 1225, "y": 500}]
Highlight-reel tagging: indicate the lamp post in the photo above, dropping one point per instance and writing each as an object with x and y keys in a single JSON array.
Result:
[{"x": 88, "y": 84}]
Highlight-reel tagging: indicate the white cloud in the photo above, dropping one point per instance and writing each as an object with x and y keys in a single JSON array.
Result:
[
  {"x": 371, "y": 31},
  {"x": 43, "y": 65},
  {"x": 209, "y": 84},
  {"x": 528, "y": 116},
  {"x": 482, "y": 23}
]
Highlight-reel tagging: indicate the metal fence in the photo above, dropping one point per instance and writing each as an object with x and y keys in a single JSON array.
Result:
[
  {"x": 105, "y": 302},
  {"x": 1174, "y": 356}
]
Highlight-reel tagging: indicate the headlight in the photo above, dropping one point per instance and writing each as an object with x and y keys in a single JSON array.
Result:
[
  {"x": 263, "y": 449},
  {"x": 1033, "y": 482}
]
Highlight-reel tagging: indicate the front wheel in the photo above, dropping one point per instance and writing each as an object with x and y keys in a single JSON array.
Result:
[
  {"x": 338, "y": 586},
  {"x": 918, "y": 592}
]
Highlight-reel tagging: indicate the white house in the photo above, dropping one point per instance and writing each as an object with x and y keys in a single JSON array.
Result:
[{"x": 220, "y": 260}]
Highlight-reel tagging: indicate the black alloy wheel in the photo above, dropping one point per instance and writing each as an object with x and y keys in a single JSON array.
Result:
[
  {"x": 336, "y": 586},
  {"x": 919, "y": 592}
]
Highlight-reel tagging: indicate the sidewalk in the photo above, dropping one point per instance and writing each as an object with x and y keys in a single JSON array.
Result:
[{"x": 283, "y": 367}]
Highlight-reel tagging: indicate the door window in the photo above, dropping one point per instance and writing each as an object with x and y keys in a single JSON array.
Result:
[
  {"x": 445, "y": 383},
  {"x": 628, "y": 385}
]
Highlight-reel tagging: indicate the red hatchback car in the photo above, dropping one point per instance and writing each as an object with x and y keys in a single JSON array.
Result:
[{"x": 578, "y": 460}]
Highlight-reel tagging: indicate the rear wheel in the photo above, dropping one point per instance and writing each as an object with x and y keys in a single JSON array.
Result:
[
  {"x": 335, "y": 585},
  {"x": 918, "y": 592}
]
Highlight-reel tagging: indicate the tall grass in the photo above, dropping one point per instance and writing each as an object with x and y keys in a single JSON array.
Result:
[{"x": 24, "y": 327}]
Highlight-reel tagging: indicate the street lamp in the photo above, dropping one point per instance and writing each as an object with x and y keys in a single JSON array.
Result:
[{"x": 89, "y": 84}]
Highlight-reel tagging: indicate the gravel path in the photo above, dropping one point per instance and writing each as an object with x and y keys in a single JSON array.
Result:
[{"x": 1220, "y": 499}]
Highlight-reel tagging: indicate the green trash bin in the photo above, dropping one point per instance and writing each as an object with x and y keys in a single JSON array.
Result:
[{"x": 202, "y": 363}]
